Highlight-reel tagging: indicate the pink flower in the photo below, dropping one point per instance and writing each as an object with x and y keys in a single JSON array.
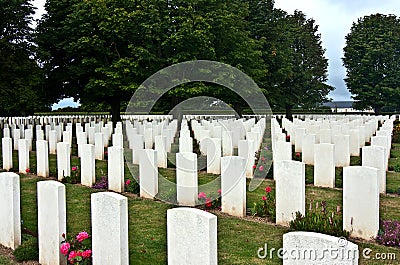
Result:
[
  {"x": 27, "y": 170},
  {"x": 71, "y": 256},
  {"x": 74, "y": 168},
  {"x": 219, "y": 191},
  {"x": 254, "y": 166},
  {"x": 65, "y": 248},
  {"x": 128, "y": 182},
  {"x": 268, "y": 189},
  {"x": 264, "y": 198},
  {"x": 266, "y": 147},
  {"x": 297, "y": 154},
  {"x": 263, "y": 158},
  {"x": 208, "y": 202},
  {"x": 87, "y": 253},
  {"x": 261, "y": 168},
  {"x": 202, "y": 195},
  {"x": 82, "y": 236}
]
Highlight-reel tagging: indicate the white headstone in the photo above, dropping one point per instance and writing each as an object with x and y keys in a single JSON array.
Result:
[
  {"x": 63, "y": 160},
  {"x": 10, "y": 215},
  {"x": 116, "y": 169},
  {"x": 342, "y": 150},
  {"x": 138, "y": 145},
  {"x": 324, "y": 165},
  {"x": 233, "y": 185},
  {"x": 23, "y": 155},
  {"x": 118, "y": 139},
  {"x": 282, "y": 151},
  {"x": 191, "y": 237},
  {"x": 110, "y": 244},
  {"x": 51, "y": 221},
  {"x": 160, "y": 143},
  {"x": 148, "y": 173},
  {"x": 186, "y": 178},
  {"x": 42, "y": 158},
  {"x": 6, "y": 145},
  {"x": 214, "y": 156},
  {"x": 53, "y": 142},
  {"x": 99, "y": 146},
  {"x": 290, "y": 190},
  {"x": 185, "y": 144},
  {"x": 361, "y": 201},
  {"x": 308, "y": 149},
  {"x": 318, "y": 249},
  {"x": 88, "y": 165},
  {"x": 245, "y": 150},
  {"x": 374, "y": 156}
]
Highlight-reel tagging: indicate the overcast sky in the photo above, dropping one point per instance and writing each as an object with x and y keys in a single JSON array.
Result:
[{"x": 334, "y": 18}]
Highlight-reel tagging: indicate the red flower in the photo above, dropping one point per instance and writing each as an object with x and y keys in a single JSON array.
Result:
[
  {"x": 264, "y": 198},
  {"x": 202, "y": 195},
  {"x": 297, "y": 154},
  {"x": 27, "y": 170},
  {"x": 268, "y": 189},
  {"x": 74, "y": 168},
  {"x": 254, "y": 166},
  {"x": 208, "y": 202},
  {"x": 87, "y": 253},
  {"x": 128, "y": 182},
  {"x": 287, "y": 137},
  {"x": 219, "y": 191}
]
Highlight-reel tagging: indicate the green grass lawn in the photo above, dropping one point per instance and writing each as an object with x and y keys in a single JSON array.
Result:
[{"x": 238, "y": 238}]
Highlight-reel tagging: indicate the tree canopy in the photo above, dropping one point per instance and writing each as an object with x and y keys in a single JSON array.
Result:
[
  {"x": 21, "y": 78},
  {"x": 372, "y": 60},
  {"x": 100, "y": 51}
]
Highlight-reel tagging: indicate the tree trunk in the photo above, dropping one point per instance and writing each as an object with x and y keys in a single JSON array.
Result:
[
  {"x": 115, "y": 111},
  {"x": 239, "y": 110},
  {"x": 289, "y": 114},
  {"x": 377, "y": 110}
]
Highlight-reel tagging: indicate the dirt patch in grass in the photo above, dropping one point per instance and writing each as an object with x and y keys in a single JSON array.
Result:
[{"x": 8, "y": 253}]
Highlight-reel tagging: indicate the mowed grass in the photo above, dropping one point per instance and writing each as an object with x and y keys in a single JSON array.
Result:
[{"x": 238, "y": 238}]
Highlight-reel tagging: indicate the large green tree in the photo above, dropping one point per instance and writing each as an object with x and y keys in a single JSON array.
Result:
[
  {"x": 21, "y": 92},
  {"x": 372, "y": 60},
  {"x": 296, "y": 67},
  {"x": 101, "y": 51}
]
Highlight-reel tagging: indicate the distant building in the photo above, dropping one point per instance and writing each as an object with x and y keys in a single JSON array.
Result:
[{"x": 344, "y": 106}]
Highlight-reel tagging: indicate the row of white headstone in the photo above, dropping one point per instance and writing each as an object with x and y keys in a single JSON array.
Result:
[{"x": 191, "y": 233}]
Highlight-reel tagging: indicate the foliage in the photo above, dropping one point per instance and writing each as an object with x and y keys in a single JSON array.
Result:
[
  {"x": 101, "y": 184},
  {"x": 28, "y": 250},
  {"x": 78, "y": 249},
  {"x": 372, "y": 57},
  {"x": 132, "y": 186},
  {"x": 21, "y": 90},
  {"x": 389, "y": 233},
  {"x": 266, "y": 206},
  {"x": 74, "y": 178},
  {"x": 320, "y": 220},
  {"x": 210, "y": 202},
  {"x": 396, "y": 134}
]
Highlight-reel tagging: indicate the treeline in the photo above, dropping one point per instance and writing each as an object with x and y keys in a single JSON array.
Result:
[{"x": 100, "y": 52}]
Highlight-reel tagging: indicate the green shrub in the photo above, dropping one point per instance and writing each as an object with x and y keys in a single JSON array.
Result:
[
  {"x": 266, "y": 206},
  {"x": 28, "y": 250},
  {"x": 396, "y": 168},
  {"x": 320, "y": 220}
]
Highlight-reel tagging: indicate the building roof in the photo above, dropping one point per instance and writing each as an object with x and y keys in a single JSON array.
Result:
[{"x": 339, "y": 104}]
